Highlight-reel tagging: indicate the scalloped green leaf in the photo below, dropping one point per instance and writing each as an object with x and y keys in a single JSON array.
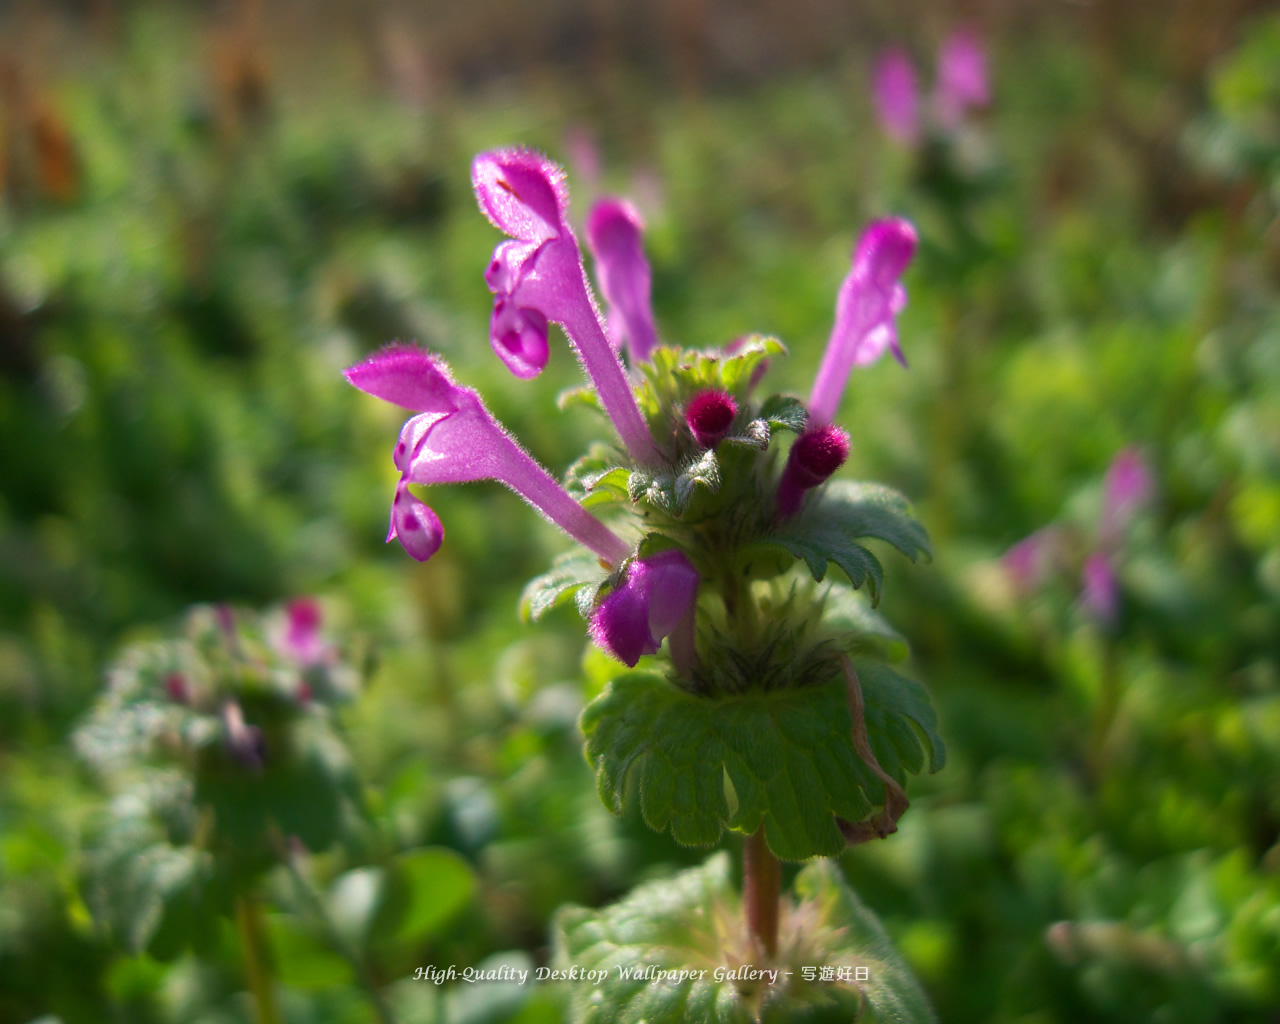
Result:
[
  {"x": 787, "y": 754},
  {"x": 817, "y": 545},
  {"x": 837, "y": 966},
  {"x": 785, "y": 412},
  {"x": 570, "y": 573},
  {"x": 860, "y": 509}
]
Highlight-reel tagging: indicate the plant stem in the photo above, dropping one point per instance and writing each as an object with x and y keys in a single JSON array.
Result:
[
  {"x": 253, "y": 938},
  {"x": 316, "y": 906},
  {"x": 761, "y": 888}
]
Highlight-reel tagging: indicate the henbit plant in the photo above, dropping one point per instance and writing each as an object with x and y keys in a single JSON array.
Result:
[
  {"x": 225, "y": 761},
  {"x": 776, "y": 712}
]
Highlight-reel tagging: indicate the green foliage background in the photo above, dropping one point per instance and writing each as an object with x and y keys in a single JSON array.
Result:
[{"x": 250, "y": 213}]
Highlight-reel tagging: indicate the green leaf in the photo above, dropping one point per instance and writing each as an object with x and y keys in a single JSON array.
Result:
[
  {"x": 665, "y": 925},
  {"x": 570, "y": 573},
  {"x": 704, "y": 471},
  {"x": 891, "y": 990},
  {"x": 871, "y": 510},
  {"x": 858, "y": 628},
  {"x": 303, "y": 959},
  {"x": 656, "y": 489},
  {"x": 755, "y": 435},
  {"x": 424, "y": 891},
  {"x": 693, "y": 923},
  {"x": 149, "y": 893},
  {"x": 785, "y": 412},
  {"x": 889, "y": 695},
  {"x": 787, "y": 755},
  {"x": 817, "y": 545},
  {"x": 830, "y": 529}
]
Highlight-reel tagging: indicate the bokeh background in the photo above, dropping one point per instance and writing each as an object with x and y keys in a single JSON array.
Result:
[{"x": 208, "y": 210}]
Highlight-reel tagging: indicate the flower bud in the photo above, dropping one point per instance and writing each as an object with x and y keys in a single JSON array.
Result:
[
  {"x": 815, "y": 455},
  {"x": 710, "y": 415}
]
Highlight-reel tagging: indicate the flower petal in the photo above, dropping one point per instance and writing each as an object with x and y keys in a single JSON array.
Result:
[
  {"x": 614, "y": 237},
  {"x": 519, "y": 337},
  {"x": 656, "y": 594},
  {"x": 521, "y": 192},
  {"x": 407, "y": 376},
  {"x": 414, "y": 524}
]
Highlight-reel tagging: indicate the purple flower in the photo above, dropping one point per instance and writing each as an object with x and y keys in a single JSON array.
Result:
[
  {"x": 1099, "y": 593},
  {"x": 1128, "y": 486},
  {"x": 454, "y": 439},
  {"x": 896, "y": 95},
  {"x": 656, "y": 595},
  {"x": 710, "y": 415},
  {"x": 539, "y": 277},
  {"x": 302, "y": 640},
  {"x": 870, "y": 299},
  {"x": 613, "y": 236},
  {"x": 962, "y": 78},
  {"x": 1029, "y": 561},
  {"x": 814, "y": 456}
]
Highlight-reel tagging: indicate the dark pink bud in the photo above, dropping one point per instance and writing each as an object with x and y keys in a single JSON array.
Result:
[
  {"x": 710, "y": 415},
  {"x": 815, "y": 455}
]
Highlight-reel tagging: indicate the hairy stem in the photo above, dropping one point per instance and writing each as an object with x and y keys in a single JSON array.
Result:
[
  {"x": 761, "y": 889},
  {"x": 256, "y": 957}
]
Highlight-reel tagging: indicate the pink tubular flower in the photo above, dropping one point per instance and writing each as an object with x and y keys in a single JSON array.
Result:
[
  {"x": 655, "y": 596},
  {"x": 613, "y": 236},
  {"x": 962, "y": 77},
  {"x": 454, "y": 439},
  {"x": 896, "y": 96},
  {"x": 1029, "y": 562},
  {"x": 814, "y": 456},
  {"x": 870, "y": 299},
  {"x": 1099, "y": 592},
  {"x": 538, "y": 277},
  {"x": 1127, "y": 488}
]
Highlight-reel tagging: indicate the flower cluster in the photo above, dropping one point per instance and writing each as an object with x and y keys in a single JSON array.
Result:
[
  {"x": 1126, "y": 490},
  {"x": 961, "y": 85},
  {"x": 691, "y": 474}
]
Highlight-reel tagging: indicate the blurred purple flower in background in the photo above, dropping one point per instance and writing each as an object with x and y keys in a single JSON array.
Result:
[
  {"x": 962, "y": 78},
  {"x": 1029, "y": 564},
  {"x": 962, "y": 85},
  {"x": 897, "y": 96}
]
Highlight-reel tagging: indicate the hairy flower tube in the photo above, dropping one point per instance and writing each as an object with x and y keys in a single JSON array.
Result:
[
  {"x": 454, "y": 439},
  {"x": 539, "y": 277},
  {"x": 867, "y": 307}
]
